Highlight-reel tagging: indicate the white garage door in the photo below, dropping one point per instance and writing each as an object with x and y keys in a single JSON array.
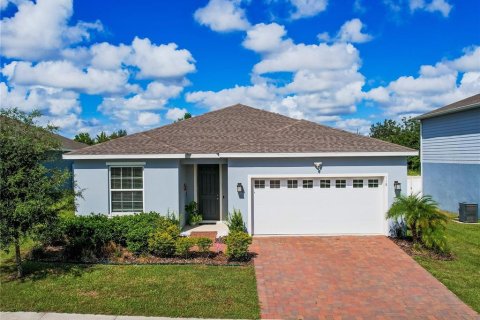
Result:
[{"x": 316, "y": 206}]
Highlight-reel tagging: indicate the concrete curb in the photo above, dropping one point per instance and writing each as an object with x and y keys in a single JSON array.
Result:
[{"x": 76, "y": 316}]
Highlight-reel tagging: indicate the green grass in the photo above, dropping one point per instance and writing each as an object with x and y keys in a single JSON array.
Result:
[
  {"x": 462, "y": 275},
  {"x": 150, "y": 290}
]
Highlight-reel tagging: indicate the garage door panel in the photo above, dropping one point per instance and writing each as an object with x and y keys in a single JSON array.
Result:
[{"x": 318, "y": 210}]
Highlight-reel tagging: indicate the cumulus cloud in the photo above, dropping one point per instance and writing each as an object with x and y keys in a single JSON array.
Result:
[
  {"x": 148, "y": 118},
  {"x": 175, "y": 113},
  {"x": 162, "y": 61},
  {"x": 351, "y": 31},
  {"x": 65, "y": 75},
  {"x": 355, "y": 125},
  {"x": 38, "y": 30},
  {"x": 435, "y": 86},
  {"x": 307, "y": 8},
  {"x": 441, "y": 6},
  {"x": 222, "y": 16},
  {"x": 325, "y": 78}
]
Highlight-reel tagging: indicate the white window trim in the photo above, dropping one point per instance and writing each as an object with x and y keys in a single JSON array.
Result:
[{"x": 113, "y": 213}]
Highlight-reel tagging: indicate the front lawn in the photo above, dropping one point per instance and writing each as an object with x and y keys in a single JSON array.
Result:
[
  {"x": 461, "y": 275},
  {"x": 150, "y": 290}
]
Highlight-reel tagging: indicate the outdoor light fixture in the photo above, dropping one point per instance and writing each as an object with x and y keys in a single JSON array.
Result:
[
  {"x": 239, "y": 187},
  {"x": 318, "y": 166},
  {"x": 397, "y": 186}
]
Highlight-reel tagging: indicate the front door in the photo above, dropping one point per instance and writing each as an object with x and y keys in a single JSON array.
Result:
[{"x": 209, "y": 191}]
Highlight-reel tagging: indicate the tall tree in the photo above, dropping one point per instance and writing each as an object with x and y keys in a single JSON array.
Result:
[
  {"x": 84, "y": 137},
  {"x": 102, "y": 137},
  {"x": 405, "y": 132},
  {"x": 29, "y": 190},
  {"x": 118, "y": 134},
  {"x": 186, "y": 116}
]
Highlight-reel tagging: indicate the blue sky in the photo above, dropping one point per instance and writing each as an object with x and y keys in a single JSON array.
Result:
[{"x": 106, "y": 65}]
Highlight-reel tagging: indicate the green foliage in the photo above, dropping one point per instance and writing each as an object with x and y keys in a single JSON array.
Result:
[
  {"x": 204, "y": 244},
  {"x": 194, "y": 216},
  {"x": 235, "y": 221},
  {"x": 423, "y": 219},
  {"x": 237, "y": 245},
  {"x": 29, "y": 190},
  {"x": 183, "y": 246},
  {"x": 186, "y": 116},
  {"x": 405, "y": 133},
  {"x": 84, "y": 137},
  {"x": 161, "y": 243}
]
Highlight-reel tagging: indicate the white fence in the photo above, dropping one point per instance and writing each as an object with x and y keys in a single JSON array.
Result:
[{"x": 414, "y": 185}]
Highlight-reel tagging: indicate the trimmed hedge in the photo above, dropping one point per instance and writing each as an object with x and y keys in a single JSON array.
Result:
[
  {"x": 237, "y": 245},
  {"x": 89, "y": 234}
]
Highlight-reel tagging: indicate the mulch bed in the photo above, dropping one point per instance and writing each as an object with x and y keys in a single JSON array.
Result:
[
  {"x": 407, "y": 246},
  {"x": 55, "y": 254}
]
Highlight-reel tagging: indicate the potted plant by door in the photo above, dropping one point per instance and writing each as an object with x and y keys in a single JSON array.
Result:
[{"x": 194, "y": 217}]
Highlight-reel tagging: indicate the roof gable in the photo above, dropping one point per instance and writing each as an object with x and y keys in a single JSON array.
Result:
[
  {"x": 240, "y": 129},
  {"x": 465, "y": 104}
]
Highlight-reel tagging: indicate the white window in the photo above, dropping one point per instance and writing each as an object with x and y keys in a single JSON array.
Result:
[
  {"x": 307, "y": 184},
  {"x": 324, "y": 184},
  {"x": 373, "y": 183},
  {"x": 274, "y": 184},
  {"x": 292, "y": 184},
  {"x": 340, "y": 183},
  {"x": 126, "y": 189},
  {"x": 259, "y": 184},
  {"x": 357, "y": 183}
]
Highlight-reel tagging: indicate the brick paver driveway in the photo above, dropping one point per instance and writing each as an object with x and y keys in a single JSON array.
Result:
[{"x": 348, "y": 278}]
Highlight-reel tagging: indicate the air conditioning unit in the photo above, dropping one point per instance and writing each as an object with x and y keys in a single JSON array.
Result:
[{"x": 468, "y": 212}]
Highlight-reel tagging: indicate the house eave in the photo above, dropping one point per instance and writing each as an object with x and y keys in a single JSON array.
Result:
[
  {"x": 450, "y": 111},
  {"x": 238, "y": 155}
]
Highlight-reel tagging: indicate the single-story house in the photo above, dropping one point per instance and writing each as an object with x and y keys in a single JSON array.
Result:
[
  {"x": 286, "y": 176},
  {"x": 450, "y": 153}
]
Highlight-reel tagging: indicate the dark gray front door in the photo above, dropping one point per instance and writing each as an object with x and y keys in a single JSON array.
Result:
[{"x": 209, "y": 191}]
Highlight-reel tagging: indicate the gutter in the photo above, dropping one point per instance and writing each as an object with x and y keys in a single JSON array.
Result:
[{"x": 433, "y": 114}]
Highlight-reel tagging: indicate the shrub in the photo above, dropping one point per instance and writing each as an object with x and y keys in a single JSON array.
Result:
[
  {"x": 161, "y": 243},
  {"x": 237, "y": 245},
  {"x": 235, "y": 221},
  {"x": 183, "y": 246},
  {"x": 194, "y": 215},
  {"x": 204, "y": 244},
  {"x": 423, "y": 219}
]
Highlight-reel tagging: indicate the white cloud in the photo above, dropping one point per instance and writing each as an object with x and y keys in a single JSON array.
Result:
[
  {"x": 307, "y": 8},
  {"x": 222, "y": 16},
  {"x": 351, "y": 31},
  {"x": 148, "y": 119},
  {"x": 65, "y": 75},
  {"x": 435, "y": 86},
  {"x": 441, "y": 6},
  {"x": 312, "y": 57},
  {"x": 162, "y": 61},
  {"x": 39, "y": 30},
  {"x": 265, "y": 38},
  {"x": 175, "y": 113},
  {"x": 54, "y": 101},
  {"x": 107, "y": 56},
  {"x": 355, "y": 125}
]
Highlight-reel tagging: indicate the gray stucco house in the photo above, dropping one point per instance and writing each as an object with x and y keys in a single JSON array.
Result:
[
  {"x": 286, "y": 176},
  {"x": 450, "y": 153}
]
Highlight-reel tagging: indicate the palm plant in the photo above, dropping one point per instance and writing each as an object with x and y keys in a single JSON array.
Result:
[{"x": 423, "y": 219}]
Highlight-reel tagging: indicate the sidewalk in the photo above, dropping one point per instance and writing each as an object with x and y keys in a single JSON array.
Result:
[{"x": 75, "y": 316}]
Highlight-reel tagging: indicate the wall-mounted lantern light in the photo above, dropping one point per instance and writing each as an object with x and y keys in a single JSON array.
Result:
[
  {"x": 397, "y": 186},
  {"x": 239, "y": 188},
  {"x": 318, "y": 166}
]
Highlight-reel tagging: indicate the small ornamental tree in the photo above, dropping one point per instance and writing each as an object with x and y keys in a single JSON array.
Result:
[{"x": 29, "y": 192}]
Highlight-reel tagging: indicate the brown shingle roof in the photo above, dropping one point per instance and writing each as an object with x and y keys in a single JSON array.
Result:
[
  {"x": 465, "y": 104},
  {"x": 69, "y": 144},
  {"x": 240, "y": 129}
]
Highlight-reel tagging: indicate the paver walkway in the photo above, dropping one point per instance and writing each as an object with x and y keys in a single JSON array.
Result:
[{"x": 348, "y": 278}]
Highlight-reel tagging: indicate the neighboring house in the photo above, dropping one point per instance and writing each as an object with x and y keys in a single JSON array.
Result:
[
  {"x": 450, "y": 153},
  {"x": 67, "y": 145},
  {"x": 286, "y": 176}
]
